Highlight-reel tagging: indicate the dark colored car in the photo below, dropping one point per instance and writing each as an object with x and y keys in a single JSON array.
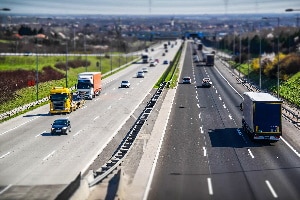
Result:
[{"x": 61, "y": 126}]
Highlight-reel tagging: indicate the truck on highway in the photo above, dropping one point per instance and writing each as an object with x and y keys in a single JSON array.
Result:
[
  {"x": 62, "y": 100},
  {"x": 210, "y": 59},
  {"x": 200, "y": 46},
  {"x": 89, "y": 84},
  {"x": 262, "y": 116},
  {"x": 145, "y": 57}
]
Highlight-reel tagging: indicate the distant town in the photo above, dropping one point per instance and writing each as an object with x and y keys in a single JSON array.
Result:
[{"x": 102, "y": 33}]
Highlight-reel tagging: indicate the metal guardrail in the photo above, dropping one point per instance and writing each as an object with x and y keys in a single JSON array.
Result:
[
  {"x": 22, "y": 108},
  {"x": 126, "y": 145},
  {"x": 25, "y": 107}
]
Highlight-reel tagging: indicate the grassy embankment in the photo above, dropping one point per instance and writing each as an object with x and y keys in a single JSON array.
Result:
[
  {"x": 29, "y": 94},
  {"x": 289, "y": 90}
]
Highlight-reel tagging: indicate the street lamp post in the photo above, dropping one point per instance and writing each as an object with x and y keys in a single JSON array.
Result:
[
  {"x": 66, "y": 64},
  {"x": 37, "y": 73},
  {"x": 240, "y": 54},
  {"x": 291, "y": 10},
  {"x": 259, "y": 57},
  {"x": 3, "y": 9},
  {"x": 278, "y": 61}
]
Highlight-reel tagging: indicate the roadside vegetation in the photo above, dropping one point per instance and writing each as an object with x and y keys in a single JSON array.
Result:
[
  {"x": 252, "y": 45},
  {"x": 172, "y": 72},
  {"x": 18, "y": 75}
]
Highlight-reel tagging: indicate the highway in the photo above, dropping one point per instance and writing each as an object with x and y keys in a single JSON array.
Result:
[
  {"x": 33, "y": 162},
  {"x": 205, "y": 154}
]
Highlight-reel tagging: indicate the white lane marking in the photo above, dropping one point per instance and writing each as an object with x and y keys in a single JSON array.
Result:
[
  {"x": 201, "y": 129},
  {"x": 271, "y": 189},
  {"x": 109, "y": 107},
  {"x": 228, "y": 83},
  {"x": 196, "y": 97},
  {"x": 220, "y": 98},
  {"x": 199, "y": 115},
  {"x": 19, "y": 125},
  {"x": 46, "y": 158},
  {"x": 84, "y": 107},
  {"x": 198, "y": 105},
  {"x": 250, "y": 153},
  {"x": 3, "y": 156},
  {"x": 224, "y": 106},
  {"x": 6, "y": 188},
  {"x": 210, "y": 189},
  {"x": 96, "y": 118},
  {"x": 77, "y": 133},
  {"x": 290, "y": 146},
  {"x": 204, "y": 151},
  {"x": 40, "y": 134}
]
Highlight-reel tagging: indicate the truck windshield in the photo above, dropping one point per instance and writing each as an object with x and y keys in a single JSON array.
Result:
[
  {"x": 58, "y": 97},
  {"x": 84, "y": 85}
]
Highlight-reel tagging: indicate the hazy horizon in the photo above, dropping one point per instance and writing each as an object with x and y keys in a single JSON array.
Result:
[{"x": 147, "y": 7}]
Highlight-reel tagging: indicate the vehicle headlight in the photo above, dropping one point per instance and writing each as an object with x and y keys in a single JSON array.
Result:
[{"x": 64, "y": 128}]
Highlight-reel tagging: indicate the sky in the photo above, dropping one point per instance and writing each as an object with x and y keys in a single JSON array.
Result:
[{"x": 147, "y": 7}]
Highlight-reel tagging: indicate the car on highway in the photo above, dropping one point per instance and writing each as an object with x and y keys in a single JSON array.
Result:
[
  {"x": 140, "y": 74},
  {"x": 163, "y": 54},
  {"x": 125, "y": 84},
  {"x": 206, "y": 82},
  {"x": 165, "y": 62},
  {"x": 61, "y": 126},
  {"x": 186, "y": 80},
  {"x": 145, "y": 69},
  {"x": 153, "y": 63}
]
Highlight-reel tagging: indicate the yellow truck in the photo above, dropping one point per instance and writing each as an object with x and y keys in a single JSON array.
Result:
[{"x": 62, "y": 100}]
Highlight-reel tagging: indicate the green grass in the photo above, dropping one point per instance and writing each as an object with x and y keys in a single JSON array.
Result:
[
  {"x": 288, "y": 90},
  {"x": 29, "y": 94}
]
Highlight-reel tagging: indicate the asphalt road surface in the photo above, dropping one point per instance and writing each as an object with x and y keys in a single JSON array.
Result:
[
  {"x": 206, "y": 155},
  {"x": 33, "y": 163}
]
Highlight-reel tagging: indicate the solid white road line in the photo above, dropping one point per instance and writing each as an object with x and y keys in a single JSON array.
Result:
[
  {"x": 290, "y": 146},
  {"x": 6, "y": 188}
]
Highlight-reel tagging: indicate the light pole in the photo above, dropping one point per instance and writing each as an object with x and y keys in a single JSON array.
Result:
[
  {"x": 278, "y": 19},
  {"x": 259, "y": 57},
  {"x": 3, "y": 9},
  {"x": 67, "y": 64},
  {"x": 291, "y": 10},
  {"x": 37, "y": 72},
  {"x": 240, "y": 54}
]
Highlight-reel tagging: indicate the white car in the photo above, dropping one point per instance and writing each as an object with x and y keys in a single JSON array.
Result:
[
  {"x": 186, "y": 80},
  {"x": 206, "y": 82},
  {"x": 140, "y": 74},
  {"x": 125, "y": 84},
  {"x": 145, "y": 69}
]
